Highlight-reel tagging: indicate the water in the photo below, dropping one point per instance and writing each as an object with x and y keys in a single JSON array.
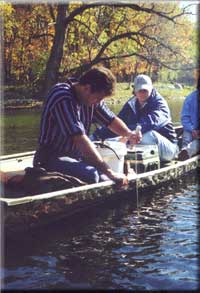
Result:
[
  {"x": 20, "y": 131},
  {"x": 115, "y": 246}
]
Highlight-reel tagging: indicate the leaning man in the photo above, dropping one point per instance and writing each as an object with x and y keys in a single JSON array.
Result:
[{"x": 69, "y": 110}]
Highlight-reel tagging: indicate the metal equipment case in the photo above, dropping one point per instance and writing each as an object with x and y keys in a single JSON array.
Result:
[{"x": 143, "y": 158}]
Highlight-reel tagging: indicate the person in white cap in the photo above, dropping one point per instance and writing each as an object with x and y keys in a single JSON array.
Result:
[{"x": 150, "y": 110}]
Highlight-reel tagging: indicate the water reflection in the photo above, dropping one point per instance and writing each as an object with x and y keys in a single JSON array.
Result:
[{"x": 115, "y": 247}]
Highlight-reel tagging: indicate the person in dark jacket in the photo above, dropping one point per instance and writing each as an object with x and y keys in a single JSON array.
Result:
[{"x": 150, "y": 110}]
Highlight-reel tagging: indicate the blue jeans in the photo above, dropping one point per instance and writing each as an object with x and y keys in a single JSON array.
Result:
[
  {"x": 192, "y": 146},
  {"x": 76, "y": 168},
  {"x": 167, "y": 150}
]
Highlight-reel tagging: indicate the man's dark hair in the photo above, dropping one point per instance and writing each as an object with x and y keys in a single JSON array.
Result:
[{"x": 100, "y": 79}]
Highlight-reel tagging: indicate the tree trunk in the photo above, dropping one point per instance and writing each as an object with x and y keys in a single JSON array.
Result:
[{"x": 53, "y": 64}]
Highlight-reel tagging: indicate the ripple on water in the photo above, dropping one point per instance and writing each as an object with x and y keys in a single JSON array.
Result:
[{"x": 117, "y": 247}]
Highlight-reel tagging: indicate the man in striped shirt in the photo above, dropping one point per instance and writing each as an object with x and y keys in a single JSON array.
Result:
[{"x": 69, "y": 110}]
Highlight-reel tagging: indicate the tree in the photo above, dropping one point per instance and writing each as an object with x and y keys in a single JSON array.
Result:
[
  {"x": 56, "y": 54},
  {"x": 106, "y": 49},
  {"x": 45, "y": 43}
]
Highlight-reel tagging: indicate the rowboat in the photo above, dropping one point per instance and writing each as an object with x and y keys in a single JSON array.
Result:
[{"x": 24, "y": 213}]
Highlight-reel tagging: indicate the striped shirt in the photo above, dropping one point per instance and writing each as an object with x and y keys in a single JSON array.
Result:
[{"x": 63, "y": 117}]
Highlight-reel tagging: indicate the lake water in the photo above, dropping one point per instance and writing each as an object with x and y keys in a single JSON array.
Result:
[
  {"x": 115, "y": 246},
  {"x": 154, "y": 246}
]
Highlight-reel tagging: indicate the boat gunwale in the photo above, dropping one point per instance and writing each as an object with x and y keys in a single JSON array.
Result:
[
  {"x": 95, "y": 186},
  {"x": 17, "y": 155}
]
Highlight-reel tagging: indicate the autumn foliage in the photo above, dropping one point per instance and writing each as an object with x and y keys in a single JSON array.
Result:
[{"x": 46, "y": 43}]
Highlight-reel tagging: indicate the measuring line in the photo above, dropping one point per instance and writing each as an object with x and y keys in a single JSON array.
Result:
[
  {"x": 136, "y": 183},
  {"x": 137, "y": 130}
]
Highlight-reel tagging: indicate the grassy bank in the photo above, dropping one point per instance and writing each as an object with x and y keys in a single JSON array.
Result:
[
  {"x": 124, "y": 92},
  {"x": 19, "y": 97}
]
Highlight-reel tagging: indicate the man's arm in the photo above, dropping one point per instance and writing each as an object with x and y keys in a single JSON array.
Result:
[
  {"x": 90, "y": 154},
  {"x": 186, "y": 120}
]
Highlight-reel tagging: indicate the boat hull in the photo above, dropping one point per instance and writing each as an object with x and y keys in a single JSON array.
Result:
[{"x": 25, "y": 213}]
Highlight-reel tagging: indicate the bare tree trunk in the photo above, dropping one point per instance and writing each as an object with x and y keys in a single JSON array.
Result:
[{"x": 53, "y": 64}]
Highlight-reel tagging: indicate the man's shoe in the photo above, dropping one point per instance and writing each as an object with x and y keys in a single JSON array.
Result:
[{"x": 183, "y": 155}]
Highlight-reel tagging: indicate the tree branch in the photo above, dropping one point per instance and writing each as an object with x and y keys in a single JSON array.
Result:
[
  {"x": 51, "y": 12},
  {"x": 134, "y": 7},
  {"x": 129, "y": 35}
]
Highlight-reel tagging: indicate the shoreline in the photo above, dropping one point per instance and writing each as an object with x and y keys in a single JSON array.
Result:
[{"x": 24, "y": 107}]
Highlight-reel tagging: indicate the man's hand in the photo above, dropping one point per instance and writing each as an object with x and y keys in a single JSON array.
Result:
[
  {"x": 135, "y": 137},
  {"x": 195, "y": 134},
  {"x": 119, "y": 178}
]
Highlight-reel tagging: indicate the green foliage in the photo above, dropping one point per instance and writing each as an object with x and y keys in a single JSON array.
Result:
[{"x": 38, "y": 66}]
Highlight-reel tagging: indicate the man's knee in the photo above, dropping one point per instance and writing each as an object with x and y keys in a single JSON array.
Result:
[
  {"x": 149, "y": 137},
  {"x": 92, "y": 176},
  {"x": 73, "y": 167}
]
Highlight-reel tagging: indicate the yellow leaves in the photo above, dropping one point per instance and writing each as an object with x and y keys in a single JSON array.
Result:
[
  {"x": 5, "y": 9},
  {"x": 103, "y": 37}
]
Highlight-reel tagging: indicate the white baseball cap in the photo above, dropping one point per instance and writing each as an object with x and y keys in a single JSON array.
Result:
[{"x": 143, "y": 82}]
